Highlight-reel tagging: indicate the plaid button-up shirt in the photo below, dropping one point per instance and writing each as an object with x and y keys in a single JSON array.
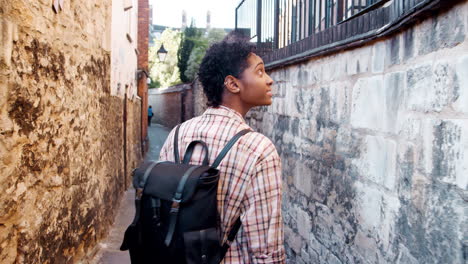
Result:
[{"x": 249, "y": 184}]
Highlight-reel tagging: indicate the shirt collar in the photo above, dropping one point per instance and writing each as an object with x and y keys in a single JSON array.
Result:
[{"x": 224, "y": 111}]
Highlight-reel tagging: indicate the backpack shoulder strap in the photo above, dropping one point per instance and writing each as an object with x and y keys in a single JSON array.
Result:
[
  {"x": 228, "y": 147},
  {"x": 235, "y": 228},
  {"x": 231, "y": 236},
  {"x": 176, "y": 145}
]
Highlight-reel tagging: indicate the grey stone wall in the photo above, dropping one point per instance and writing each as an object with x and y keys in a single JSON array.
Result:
[
  {"x": 374, "y": 145},
  {"x": 199, "y": 98}
]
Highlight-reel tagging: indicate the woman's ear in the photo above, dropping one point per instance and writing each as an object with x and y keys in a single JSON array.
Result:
[{"x": 232, "y": 84}]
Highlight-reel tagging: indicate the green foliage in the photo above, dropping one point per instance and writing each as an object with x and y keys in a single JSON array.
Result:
[
  {"x": 165, "y": 74},
  {"x": 215, "y": 35},
  {"x": 193, "y": 63},
  {"x": 197, "y": 43},
  {"x": 190, "y": 39}
]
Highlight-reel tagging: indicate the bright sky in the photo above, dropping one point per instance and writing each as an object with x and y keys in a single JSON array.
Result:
[{"x": 169, "y": 12}]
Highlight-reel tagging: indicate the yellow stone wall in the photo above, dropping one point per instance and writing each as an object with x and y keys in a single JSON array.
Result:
[{"x": 61, "y": 133}]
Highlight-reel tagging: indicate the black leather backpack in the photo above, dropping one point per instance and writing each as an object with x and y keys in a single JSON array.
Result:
[{"x": 176, "y": 219}]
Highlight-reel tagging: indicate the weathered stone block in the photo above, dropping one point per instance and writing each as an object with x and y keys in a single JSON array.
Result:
[
  {"x": 369, "y": 206},
  {"x": 305, "y": 255},
  {"x": 409, "y": 128},
  {"x": 3, "y": 96},
  {"x": 434, "y": 230},
  {"x": 378, "y": 57},
  {"x": 394, "y": 85},
  {"x": 332, "y": 231},
  {"x": 336, "y": 68},
  {"x": 450, "y": 152},
  {"x": 332, "y": 259},
  {"x": 378, "y": 161},
  {"x": 293, "y": 240},
  {"x": 446, "y": 30},
  {"x": 304, "y": 223},
  {"x": 367, "y": 249},
  {"x": 302, "y": 179},
  {"x": 299, "y": 260},
  {"x": 278, "y": 106},
  {"x": 425, "y": 163},
  {"x": 405, "y": 257},
  {"x": 368, "y": 104},
  {"x": 8, "y": 236},
  {"x": 390, "y": 210},
  {"x": 339, "y": 101},
  {"x": 314, "y": 73},
  {"x": 408, "y": 43},
  {"x": 393, "y": 51},
  {"x": 406, "y": 169},
  {"x": 444, "y": 151},
  {"x": 430, "y": 90},
  {"x": 8, "y": 34},
  {"x": 293, "y": 79},
  {"x": 279, "y": 88},
  {"x": 304, "y": 102},
  {"x": 358, "y": 60},
  {"x": 461, "y": 92},
  {"x": 308, "y": 128},
  {"x": 332, "y": 70}
]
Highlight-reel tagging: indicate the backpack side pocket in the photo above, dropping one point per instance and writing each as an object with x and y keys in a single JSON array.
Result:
[{"x": 202, "y": 246}]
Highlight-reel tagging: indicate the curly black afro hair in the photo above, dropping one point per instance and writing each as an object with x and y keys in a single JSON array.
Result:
[{"x": 228, "y": 57}]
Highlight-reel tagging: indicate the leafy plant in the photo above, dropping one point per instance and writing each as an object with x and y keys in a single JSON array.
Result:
[
  {"x": 165, "y": 74},
  {"x": 197, "y": 42},
  {"x": 190, "y": 38}
]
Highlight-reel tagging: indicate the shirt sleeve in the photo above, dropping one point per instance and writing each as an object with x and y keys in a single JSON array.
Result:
[{"x": 262, "y": 222}]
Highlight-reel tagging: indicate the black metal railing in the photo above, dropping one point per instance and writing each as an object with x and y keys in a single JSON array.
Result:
[
  {"x": 278, "y": 23},
  {"x": 290, "y": 27}
]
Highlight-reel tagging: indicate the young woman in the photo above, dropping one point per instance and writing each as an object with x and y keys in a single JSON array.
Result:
[{"x": 234, "y": 81}]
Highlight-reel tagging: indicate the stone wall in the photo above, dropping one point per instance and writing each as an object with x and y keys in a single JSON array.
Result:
[
  {"x": 172, "y": 105},
  {"x": 199, "y": 99},
  {"x": 61, "y": 133},
  {"x": 374, "y": 144}
]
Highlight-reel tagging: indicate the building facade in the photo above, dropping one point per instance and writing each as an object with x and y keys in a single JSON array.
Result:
[
  {"x": 144, "y": 22},
  {"x": 68, "y": 139}
]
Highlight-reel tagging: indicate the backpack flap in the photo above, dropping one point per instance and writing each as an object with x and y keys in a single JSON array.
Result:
[
  {"x": 139, "y": 173},
  {"x": 164, "y": 179}
]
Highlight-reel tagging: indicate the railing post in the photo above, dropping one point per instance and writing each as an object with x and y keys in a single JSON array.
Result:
[
  {"x": 259, "y": 22},
  {"x": 339, "y": 11},
  {"x": 312, "y": 13},
  {"x": 235, "y": 27},
  {"x": 276, "y": 36}
]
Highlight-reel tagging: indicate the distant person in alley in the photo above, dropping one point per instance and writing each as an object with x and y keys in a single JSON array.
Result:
[
  {"x": 150, "y": 114},
  {"x": 234, "y": 81}
]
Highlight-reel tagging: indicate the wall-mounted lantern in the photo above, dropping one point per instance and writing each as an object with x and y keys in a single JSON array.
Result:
[{"x": 162, "y": 53}]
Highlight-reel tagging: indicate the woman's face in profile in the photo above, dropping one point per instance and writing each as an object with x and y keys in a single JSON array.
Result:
[{"x": 256, "y": 84}]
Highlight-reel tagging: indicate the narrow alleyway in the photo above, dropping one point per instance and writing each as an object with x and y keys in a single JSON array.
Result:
[{"x": 108, "y": 250}]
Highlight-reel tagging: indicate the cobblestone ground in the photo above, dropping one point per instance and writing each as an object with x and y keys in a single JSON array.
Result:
[{"x": 108, "y": 249}]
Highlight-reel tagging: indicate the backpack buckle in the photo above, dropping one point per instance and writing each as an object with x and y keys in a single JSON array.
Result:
[
  {"x": 175, "y": 205},
  {"x": 139, "y": 193}
]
